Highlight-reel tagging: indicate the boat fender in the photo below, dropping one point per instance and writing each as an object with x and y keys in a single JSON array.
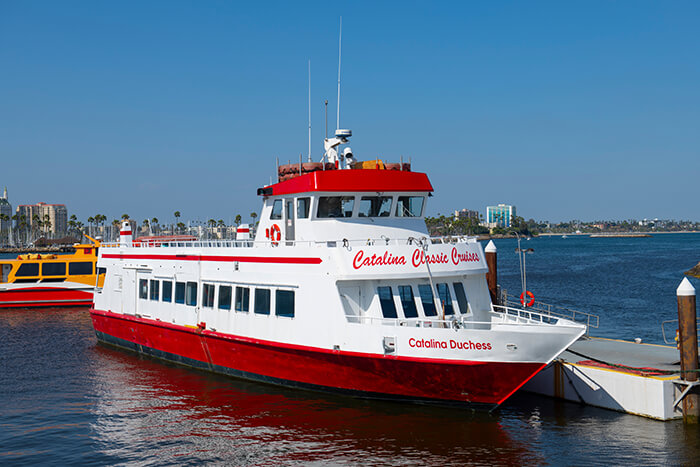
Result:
[
  {"x": 275, "y": 234},
  {"x": 527, "y": 294}
]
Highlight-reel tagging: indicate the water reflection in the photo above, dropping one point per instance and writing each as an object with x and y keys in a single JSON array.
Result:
[{"x": 157, "y": 412}]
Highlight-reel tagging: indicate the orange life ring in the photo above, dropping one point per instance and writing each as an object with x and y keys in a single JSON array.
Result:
[
  {"x": 275, "y": 234},
  {"x": 528, "y": 294}
]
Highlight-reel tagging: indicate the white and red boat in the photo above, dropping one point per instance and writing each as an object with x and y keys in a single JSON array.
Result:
[{"x": 341, "y": 289}]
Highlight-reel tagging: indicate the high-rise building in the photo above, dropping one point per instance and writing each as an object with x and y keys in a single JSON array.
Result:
[
  {"x": 55, "y": 214},
  {"x": 5, "y": 210},
  {"x": 499, "y": 216},
  {"x": 467, "y": 214}
]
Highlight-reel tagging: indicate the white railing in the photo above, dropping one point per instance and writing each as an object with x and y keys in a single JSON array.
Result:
[
  {"x": 501, "y": 316},
  {"x": 545, "y": 312},
  {"x": 339, "y": 243}
]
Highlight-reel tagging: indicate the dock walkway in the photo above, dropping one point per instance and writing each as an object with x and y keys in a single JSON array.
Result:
[{"x": 617, "y": 375}]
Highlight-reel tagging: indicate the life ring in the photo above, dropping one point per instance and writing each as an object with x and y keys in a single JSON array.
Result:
[
  {"x": 528, "y": 294},
  {"x": 275, "y": 234}
]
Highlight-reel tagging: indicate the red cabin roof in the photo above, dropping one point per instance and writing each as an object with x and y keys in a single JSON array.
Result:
[{"x": 368, "y": 180}]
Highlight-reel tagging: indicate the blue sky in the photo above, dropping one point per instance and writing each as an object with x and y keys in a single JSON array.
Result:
[{"x": 569, "y": 110}]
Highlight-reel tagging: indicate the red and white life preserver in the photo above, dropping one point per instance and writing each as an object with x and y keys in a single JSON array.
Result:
[
  {"x": 274, "y": 234},
  {"x": 527, "y": 294}
]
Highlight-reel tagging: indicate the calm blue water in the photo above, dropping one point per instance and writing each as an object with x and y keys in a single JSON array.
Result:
[{"x": 64, "y": 399}]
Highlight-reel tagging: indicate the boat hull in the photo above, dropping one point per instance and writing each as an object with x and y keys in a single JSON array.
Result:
[
  {"x": 41, "y": 296},
  {"x": 478, "y": 383}
]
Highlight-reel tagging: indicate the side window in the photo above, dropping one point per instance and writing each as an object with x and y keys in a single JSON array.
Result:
[
  {"x": 335, "y": 206},
  {"x": 409, "y": 206},
  {"x": 225, "y": 297},
  {"x": 28, "y": 269},
  {"x": 461, "y": 297},
  {"x": 155, "y": 289},
  {"x": 53, "y": 269},
  {"x": 276, "y": 210},
  {"x": 167, "y": 291},
  {"x": 386, "y": 300},
  {"x": 191, "y": 294},
  {"x": 375, "y": 206},
  {"x": 407, "y": 301},
  {"x": 80, "y": 268},
  {"x": 445, "y": 299},
  {"x": 426, "y": 298},
  {"x": 180, "y": 292},
  {"x": 242, "y": 299},
  {"x": 284, "y": 303},
  {"x": 208, "y": 295},
  {"x": 303, "y": 208},
  {"x": 143, "y": 288},
  {"x": 262, "y": 301}
]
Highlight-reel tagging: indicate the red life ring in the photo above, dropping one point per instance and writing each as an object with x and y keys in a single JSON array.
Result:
[
  {"x": 275, "y": 234},
  {"x": 528, "y": 294}
]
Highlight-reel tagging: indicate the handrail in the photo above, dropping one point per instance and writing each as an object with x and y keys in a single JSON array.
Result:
[
  {"x": 338, "y": 243},
  {"x": 589, "y": 319},
  {"x": 509, "y": 316},
  {"x": 663, "y": 331}
]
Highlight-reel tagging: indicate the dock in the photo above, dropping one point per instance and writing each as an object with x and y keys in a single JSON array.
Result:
[{"x": 639, "y": 379}]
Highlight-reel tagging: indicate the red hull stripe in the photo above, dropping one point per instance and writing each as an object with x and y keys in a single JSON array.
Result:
[
  {"x": 300, "y": 366},
  {"x": 228, "y": 259},
  {"x": 125, "y": 232},
  {"x": 44, "y": 297}
]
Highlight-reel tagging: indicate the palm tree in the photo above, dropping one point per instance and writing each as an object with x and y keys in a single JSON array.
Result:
[
  {"x": 238, "y": 220},
  {"x": 154, "y": 225},
  {"x": 125, "y": 217},
  {"x": 147, "y": 225},
  {"x": 177, "y": 219},
  {"x": 47, "y": 224},
  {"x": 212, "y": 224},
  {"x": 90, "y": 221}
]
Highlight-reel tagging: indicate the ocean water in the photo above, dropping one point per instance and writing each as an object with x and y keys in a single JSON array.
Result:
[{"x": 64, "y": 399}]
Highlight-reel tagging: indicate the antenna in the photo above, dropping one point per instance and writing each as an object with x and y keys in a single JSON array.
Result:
[
  {"x": 309, "y": 154},
  {"x": 325, "y": 103},
  {"x": 340, "y": 42}
]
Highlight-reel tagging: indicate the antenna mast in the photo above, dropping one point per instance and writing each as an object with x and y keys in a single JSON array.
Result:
[
  {"x": 309, "y": 154},
  {"x": 340, "y": 41}
]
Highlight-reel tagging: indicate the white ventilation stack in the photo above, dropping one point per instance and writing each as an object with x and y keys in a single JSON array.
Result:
[
  {"x": 125, "y": 236},
  {"x": 243, "y": 232}
]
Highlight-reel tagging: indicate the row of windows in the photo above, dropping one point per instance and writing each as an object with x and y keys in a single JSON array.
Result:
[
  {"x": 186, "y": 293},
  {"x": 343, "y": 206},
  {"x": 427, "y": 299},
  {"x": 54, "y": 269}
]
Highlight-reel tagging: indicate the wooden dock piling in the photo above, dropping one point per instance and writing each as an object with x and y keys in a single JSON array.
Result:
[
  {"x": 492, "y": 275},
  {"x": 688, "y": 335}
]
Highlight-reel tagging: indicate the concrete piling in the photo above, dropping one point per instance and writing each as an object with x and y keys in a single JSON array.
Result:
[
  {"x": 687, "y": 326},
  {"x": 492, "y": 275}
]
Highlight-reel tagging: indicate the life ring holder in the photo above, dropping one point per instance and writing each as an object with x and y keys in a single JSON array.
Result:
[
  {"x": 275, "y": 234},
  {"x": 527, "y": 294}
]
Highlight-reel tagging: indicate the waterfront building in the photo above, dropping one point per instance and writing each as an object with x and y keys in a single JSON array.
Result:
[
  {"x": 56, "y": 214},
  {"x": 5, "y": 210},
  {"x": 499, "y": 216},
  {"x": 467, "y": 214}
]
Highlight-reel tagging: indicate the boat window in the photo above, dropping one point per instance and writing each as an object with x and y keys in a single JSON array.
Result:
[
  {"x": 335, "y": 206},
  {"x": 284, "y": 303},
  {"x": 155, "y": 289},
  {"x": 80, "y": 268},
  {"x": 28, "y": 269},
  {"x": 409, "y": 206},
  {"x": 262, "y": 301},
  {"x": 191, "y": 294},
  {"x": 276, "y": 210},
  {"x": 303, "y": 208},
  {"x": 426, "y": 298},
  {"x": 386, "y": 300},
  {"x": 445, "y": 299},
  {"x": 167, "y": 291},
  {"x": 53, "y": 269},
  {"x": 461, "y": 297},
  {"x": 375, "y": 206},
  {"x": 407, "y": 301},
  {"x": 180, "y": 292},
  {"x": 143, "y": 288},
  {"x": 225, "y": 297},
  {"x": 208, "y": 295},
  {"x": 242, "y": 299}
]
